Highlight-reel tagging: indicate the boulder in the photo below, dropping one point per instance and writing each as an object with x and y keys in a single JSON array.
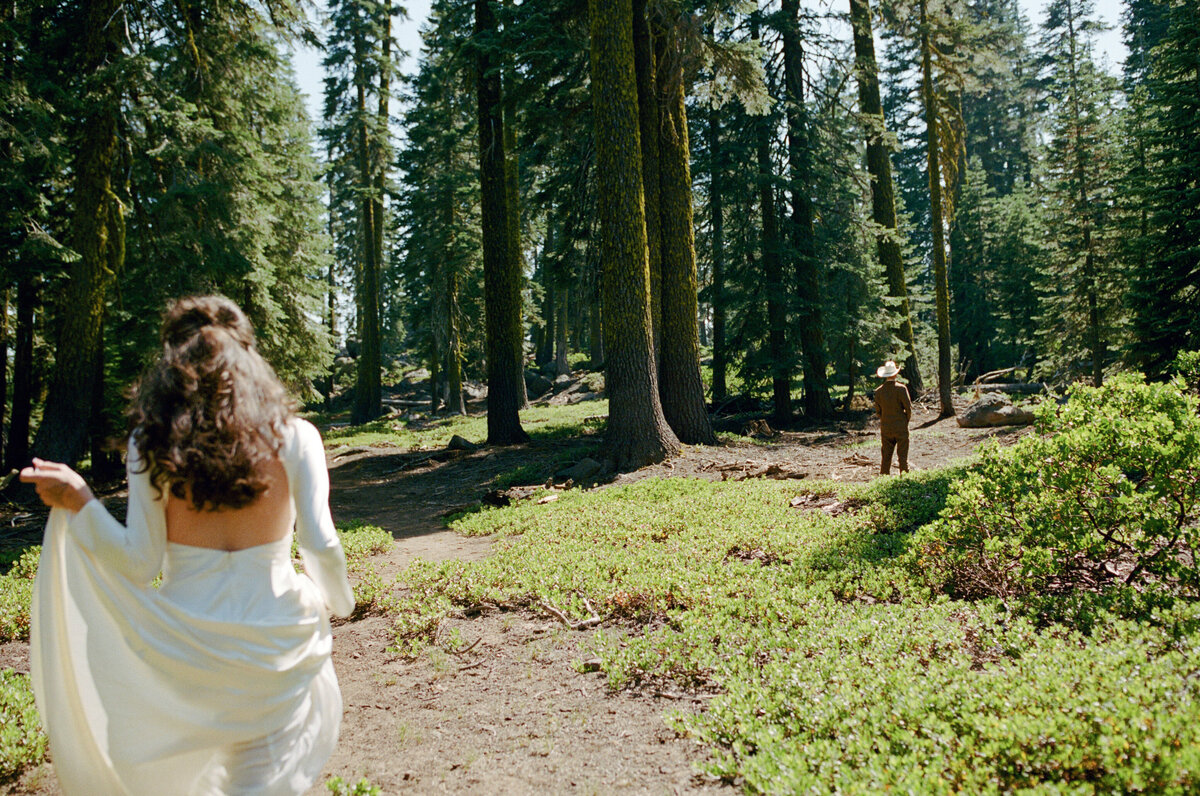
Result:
[
  {"x": 474, "y": 390},
  {"x": 458, "y": 443},
  {"x": 581, "y": 470},
  {"x": 994, "y": 409},
  {"x": 536, "y": 384}
]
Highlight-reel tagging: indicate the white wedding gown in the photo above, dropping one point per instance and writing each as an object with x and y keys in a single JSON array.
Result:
[{"x": 219, "y": 681}]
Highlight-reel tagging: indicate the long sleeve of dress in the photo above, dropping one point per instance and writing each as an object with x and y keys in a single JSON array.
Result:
[
  {"x": 135, "y": 549},
  {"x": 320, "y": 548}
]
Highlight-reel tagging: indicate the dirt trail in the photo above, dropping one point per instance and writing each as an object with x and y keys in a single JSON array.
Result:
[{"x": 513, "y": 715}]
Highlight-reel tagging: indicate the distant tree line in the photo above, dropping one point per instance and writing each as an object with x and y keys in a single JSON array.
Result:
[{"x": 708, "y": 199}]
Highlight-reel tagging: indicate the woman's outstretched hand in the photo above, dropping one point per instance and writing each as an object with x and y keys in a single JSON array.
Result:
[{"x": 58, "y": 485}]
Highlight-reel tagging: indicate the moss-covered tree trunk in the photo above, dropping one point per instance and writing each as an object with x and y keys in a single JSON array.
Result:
[
  {"x": 720, "y": 358},
  {"x": 649, "y": 116},
  {"x": 937, "y": 217},
  {"x": 637, "y": 432},
  {"x": 680, "y": 388},
  {"x": 811, "y": 323},
  {"x": 97, "y": 236},
  {"x": 501, "y": 261},
  {"x": 879, "y": 167}
]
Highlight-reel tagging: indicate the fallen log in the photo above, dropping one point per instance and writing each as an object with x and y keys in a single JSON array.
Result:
[{"x": 1031, "y": 388}]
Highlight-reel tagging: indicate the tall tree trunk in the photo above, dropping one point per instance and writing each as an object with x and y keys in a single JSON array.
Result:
[
  {"x": 501, "y": 265},
  {"x": 367, "y": 390},
  {"x": 637, "y": 432},
  {"x": 562, "y": 310},
  {"x": 817, "y": 403},
  {"x": 1091, "y": 290},
  {"x": 680, "y": 387},
  {"x": 512, "y": 193},
  {"x": 936, "y": 212},
  {"x": 22, "y": 387},
  {"x": 879, "y": 166},
  {"x": 781, "y": 381},
  {"x": 720, "y": 358},
  {"x": 435, "y": 377},
  {"x": 454, "y": 381},
  {"x": 649, "y": 116},
  {"x": 97, "y": 235}
]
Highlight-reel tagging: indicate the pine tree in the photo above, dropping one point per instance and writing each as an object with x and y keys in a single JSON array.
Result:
[
  {"x": 1165, "y": 284},
  {"x": 501, "y": 261},
  {"x": 879, "y": 166},
  {"x": 1081, "y": 297}
]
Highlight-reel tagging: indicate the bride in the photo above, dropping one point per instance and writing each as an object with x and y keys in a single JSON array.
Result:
[{"x": 218, "y": 679}]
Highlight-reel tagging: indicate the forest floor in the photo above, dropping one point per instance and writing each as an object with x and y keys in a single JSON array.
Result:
[{"x": 513, "y": 714}]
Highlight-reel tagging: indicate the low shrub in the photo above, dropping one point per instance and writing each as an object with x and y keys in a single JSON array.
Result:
[
  {"x": 22, "y": 741},
  {"x": 1106, "y": 494},
  {"x": 16, "y": 591}
]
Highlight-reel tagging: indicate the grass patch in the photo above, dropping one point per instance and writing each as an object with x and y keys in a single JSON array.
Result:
[
  {"x": 540, "y": 422},
  {"x": 835, "y": 666}
]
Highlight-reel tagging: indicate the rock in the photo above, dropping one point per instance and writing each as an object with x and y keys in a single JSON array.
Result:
[
  {"x": 562, "y": 382},
  {"x": 474, "y": 391},
  {"x": 458, "y": 443},
  {"x": 581, "y": 470},
  {"x": 994, "y": 409},
  {"x": 416, "y": 376},
  {"x": 536, "y": 384}
]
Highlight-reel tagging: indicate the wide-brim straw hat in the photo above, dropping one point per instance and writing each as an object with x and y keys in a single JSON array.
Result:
[{"x": 887, "y": 370}]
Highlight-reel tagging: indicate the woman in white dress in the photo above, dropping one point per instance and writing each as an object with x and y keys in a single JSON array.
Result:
[{"x": 217, "y": 680}]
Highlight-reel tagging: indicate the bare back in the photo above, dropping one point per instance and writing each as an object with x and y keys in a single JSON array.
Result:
[{"x": 267, "y": 519}]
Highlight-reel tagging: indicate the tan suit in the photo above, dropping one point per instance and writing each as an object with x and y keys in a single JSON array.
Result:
[{"x": 895, "y": 410}]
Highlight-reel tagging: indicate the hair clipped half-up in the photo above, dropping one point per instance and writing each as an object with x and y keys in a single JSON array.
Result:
[{"x": 210, "y": 412}]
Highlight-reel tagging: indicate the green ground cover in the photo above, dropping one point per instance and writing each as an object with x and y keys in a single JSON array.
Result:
[
  {"x": 840, "y": 649},
  {"x": 540, "y": 422}
]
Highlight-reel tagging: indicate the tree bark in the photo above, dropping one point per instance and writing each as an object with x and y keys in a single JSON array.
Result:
[
  {"x": 879, "y": 167},
  {"x": 817, "y": 403},
  {"x": 512, "y": 189},
  {"x": 97, "y": 236},
  {"x": 936, "y": 213},
  {"x": 649, "y": 116},
  {"x": 562, "y": 310},
  {"x": 680, "y": 387},
  {"x": 501, "y": 263},
  {"x": 637, "y": 432}
]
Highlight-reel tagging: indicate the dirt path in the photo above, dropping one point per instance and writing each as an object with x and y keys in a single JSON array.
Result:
[{"x": 513, "y": 715}]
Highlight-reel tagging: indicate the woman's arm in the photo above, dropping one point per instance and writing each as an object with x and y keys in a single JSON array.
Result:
[
  {"x": 135, "y": 549},
  {"x": 324, "y": 559},
  {"x": 58, "y": 485}
]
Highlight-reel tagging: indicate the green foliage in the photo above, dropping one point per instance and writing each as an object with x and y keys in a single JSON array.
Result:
[
  {"x": 1104, "y": 495},
  {"x": 22, "y": 740},
  {"x": 833, "y": 667},
  {"x": 340, "y": 787}
]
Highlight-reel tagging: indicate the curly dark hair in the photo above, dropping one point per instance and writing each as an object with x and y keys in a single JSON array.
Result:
[{"x": 210, "y": 412}]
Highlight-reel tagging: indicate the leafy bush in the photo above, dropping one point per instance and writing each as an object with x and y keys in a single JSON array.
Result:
[
  {"x": 22, "y": 742},
  {"x": 1106, "y": 494},
  {"x": 16, "y": 591}
]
